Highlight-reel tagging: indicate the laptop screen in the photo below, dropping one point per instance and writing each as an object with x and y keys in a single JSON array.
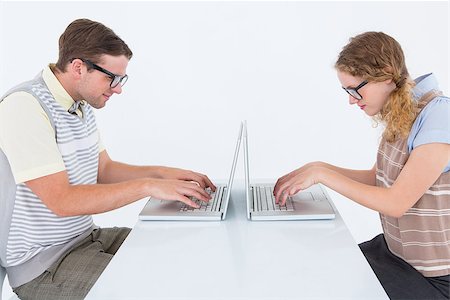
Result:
[{"x": 233, "y": 169}]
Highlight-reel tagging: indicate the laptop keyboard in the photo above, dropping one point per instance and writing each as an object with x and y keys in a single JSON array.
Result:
[
  {"x": 264, "y": 200},
  {"x": 212, "y": 205}
]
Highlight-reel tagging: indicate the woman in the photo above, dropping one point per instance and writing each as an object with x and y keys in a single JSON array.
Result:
[{"x": 409, "y": 185}]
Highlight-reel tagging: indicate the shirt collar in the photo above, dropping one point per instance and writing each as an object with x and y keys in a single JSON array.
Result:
[
  {"x": 56, "y": 89},
  {"x": 424, "y": 84}
]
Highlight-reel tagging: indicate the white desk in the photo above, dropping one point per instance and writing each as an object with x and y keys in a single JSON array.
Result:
[{"x": 239, "y": 259}]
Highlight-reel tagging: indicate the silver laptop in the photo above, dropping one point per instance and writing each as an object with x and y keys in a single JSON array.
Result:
[
  {"x": 214, "y": 210},
  {"x": 310, "y": 204}
]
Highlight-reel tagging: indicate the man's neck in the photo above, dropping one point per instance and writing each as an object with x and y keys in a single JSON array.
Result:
[{"x": 66, "y": 82}]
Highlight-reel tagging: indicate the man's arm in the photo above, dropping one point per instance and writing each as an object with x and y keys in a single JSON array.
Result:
[
  {"x": 110, "y": 171},
  {"x": 66, "y": 200}
]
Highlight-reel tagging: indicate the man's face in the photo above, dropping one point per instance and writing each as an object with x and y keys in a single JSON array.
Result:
[{"x": 95, "y": 86}]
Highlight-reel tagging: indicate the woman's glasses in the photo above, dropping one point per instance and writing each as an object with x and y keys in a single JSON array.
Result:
[{"x": 354, "y": 91}]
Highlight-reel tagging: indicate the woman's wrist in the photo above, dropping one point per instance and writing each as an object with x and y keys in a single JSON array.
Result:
[
  {"x": 321, "y": 174},
  {"x": 318, "y": 164}
]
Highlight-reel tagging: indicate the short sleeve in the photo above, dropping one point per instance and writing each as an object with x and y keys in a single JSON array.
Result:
[
  {"x": 432, "y": 124},
  {"x": 101, "y": 146},
  {"x": 27, "y": 138}
]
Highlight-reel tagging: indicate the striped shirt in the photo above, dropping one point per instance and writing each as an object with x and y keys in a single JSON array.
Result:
[
  {"x": 421, "y": 236},
  {"x": 32, "y": 237}
]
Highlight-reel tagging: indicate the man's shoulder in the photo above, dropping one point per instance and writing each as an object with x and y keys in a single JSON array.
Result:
[
  {"x": 21, "y": 109},
  {"x": 19, "y": 101}
]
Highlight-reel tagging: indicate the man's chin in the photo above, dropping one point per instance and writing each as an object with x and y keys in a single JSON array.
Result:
[{"x": 98, "y": 105}]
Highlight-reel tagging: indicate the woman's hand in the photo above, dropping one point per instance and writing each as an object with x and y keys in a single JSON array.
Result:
[{"x": 297, "y": 180}]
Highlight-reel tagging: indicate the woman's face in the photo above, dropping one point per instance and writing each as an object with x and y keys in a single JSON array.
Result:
[{"x": 374, "y": 94}]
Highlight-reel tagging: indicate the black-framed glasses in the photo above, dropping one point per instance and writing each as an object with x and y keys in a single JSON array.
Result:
[
  {"x": 354, "y": 91},
  {"x": 115, "y": 79}
]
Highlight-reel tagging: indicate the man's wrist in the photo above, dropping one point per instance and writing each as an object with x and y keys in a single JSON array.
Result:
[{"x": 156, "y": 172}]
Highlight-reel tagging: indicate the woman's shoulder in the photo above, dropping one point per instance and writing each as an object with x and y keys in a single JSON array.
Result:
[
  {"x": 438, "y": 107},
  {"x": 432, "y": 124}
]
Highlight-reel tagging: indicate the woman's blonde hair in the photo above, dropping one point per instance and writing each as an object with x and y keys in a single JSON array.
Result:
[{"x": 375, "y": 56}]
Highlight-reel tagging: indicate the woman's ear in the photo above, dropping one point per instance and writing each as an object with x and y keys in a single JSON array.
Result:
[
  {"x": 389, "y": 70},
  {"x": 389, "y": 81},
  {"x": 390, "y": 84}
]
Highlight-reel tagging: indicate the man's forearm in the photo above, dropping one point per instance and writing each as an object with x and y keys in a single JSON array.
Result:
[
  {"x": 98, "y": 198},
  {"x": 115, "y": 172}
]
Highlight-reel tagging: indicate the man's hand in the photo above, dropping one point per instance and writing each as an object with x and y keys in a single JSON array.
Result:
[
  {"x": 186, "y": 175},
  {"x": 179, "y": 190}
]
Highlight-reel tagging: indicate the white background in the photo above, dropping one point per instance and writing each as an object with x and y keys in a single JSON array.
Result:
[{"x": 199, "y": 68}]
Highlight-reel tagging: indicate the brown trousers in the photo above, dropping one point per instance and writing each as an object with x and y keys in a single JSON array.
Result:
[{"x": 74, "y": 274}]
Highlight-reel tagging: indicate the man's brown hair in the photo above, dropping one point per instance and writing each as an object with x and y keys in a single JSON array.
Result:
[{"x": 87, "y": 39}]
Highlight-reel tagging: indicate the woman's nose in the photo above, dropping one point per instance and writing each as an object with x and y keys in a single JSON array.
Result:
[{"x": 352, "y": 100}]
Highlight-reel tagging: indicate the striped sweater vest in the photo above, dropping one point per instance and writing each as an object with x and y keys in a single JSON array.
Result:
[
  {"x": 28, "y": 226},
  {"x": 421, "y": 236}
]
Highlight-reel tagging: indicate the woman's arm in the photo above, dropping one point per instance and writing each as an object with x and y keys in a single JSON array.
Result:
[
  {"x": 425, "y": 164},
  {"x": 363, "y": 176}
]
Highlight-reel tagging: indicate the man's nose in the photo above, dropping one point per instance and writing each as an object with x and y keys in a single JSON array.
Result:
[{"x": 117, "y": 89}]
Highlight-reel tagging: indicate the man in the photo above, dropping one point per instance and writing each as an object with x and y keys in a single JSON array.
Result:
[{"x": 55, "y": 172}]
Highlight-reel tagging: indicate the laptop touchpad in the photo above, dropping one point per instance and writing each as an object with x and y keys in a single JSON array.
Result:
[{"x": 303, "y": 196}]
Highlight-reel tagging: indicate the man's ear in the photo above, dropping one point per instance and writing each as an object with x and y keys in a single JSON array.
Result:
[{"x": 75, "y": 68}]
